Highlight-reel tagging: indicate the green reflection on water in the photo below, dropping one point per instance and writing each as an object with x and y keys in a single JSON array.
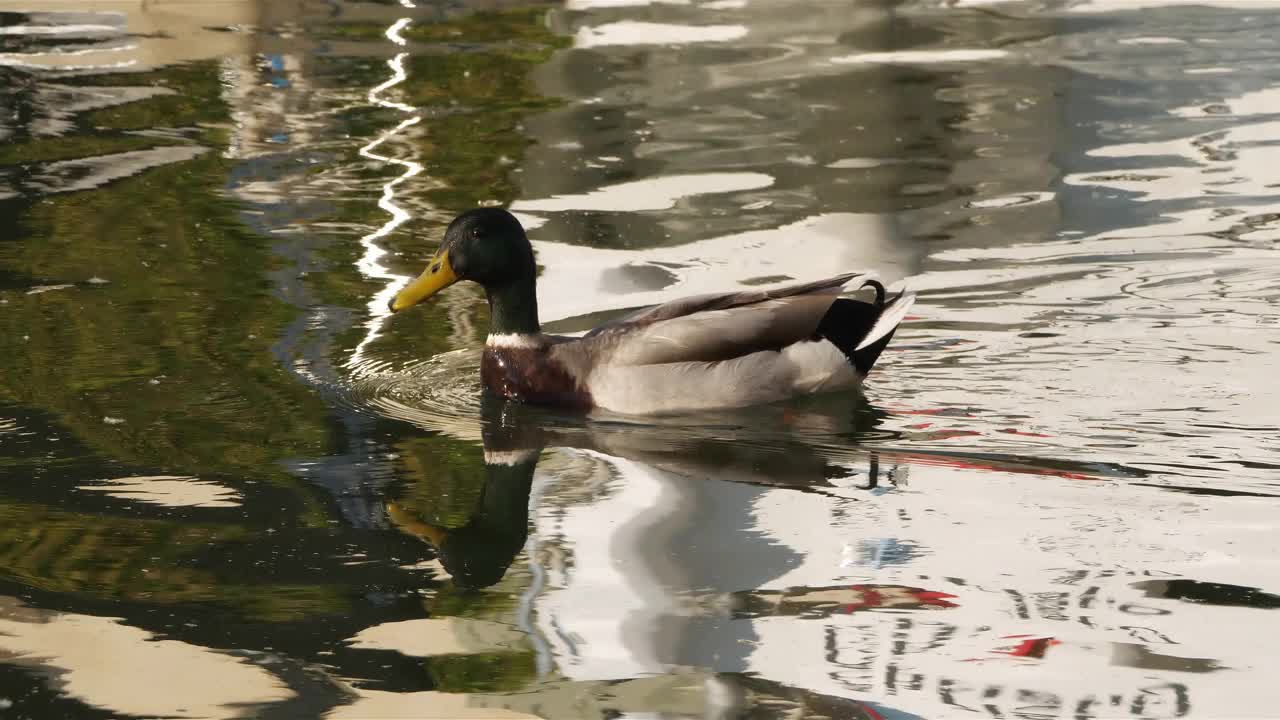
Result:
[
  {"x": 144, "y": 560},
  {"x": 66, "y": 148},
  {"x": 184, "y": 305},
  {"x": 484, "y": 672},
  {"x": 444, "y": 479},
  {"x": 196, "y": 99},
  {"x": 159, "y": 355},
  {"x": 473, "y": 147}
]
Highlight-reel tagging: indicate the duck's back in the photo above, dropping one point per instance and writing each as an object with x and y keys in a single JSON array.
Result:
[{"x": 733, "y": 350}]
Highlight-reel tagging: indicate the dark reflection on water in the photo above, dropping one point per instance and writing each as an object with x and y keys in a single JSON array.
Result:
[{"x": 230, "y": 487}]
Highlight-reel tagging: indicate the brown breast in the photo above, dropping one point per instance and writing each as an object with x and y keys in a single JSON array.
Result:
[{"x": 530, "y": 375}]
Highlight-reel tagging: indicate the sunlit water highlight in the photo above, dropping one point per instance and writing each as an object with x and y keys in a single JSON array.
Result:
[{"x": 371, "y": 263}]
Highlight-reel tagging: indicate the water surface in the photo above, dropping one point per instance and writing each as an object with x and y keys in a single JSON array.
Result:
[{"x": 231, "y": 486}]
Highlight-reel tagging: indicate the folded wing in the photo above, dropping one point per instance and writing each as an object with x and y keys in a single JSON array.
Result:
[{"x": 710, "y": 328}]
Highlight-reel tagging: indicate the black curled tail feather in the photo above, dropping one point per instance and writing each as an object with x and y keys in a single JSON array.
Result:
[
  {"x": 847, "y": 322},
  {"x": 880, "y": 292}
]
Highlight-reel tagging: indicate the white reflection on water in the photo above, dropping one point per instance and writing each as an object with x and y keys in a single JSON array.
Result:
[
  {"x": 631, "y": 32},
  {"x": 150, "y": 34},
  {"x": 57, "y": 29},
  {"x": 425, "y": 637},
  {"x": 646, "y": 576},
  {"x": 658, "y": 193},
  {"x": 168, "y": 490},
  {"x": 123, "y": 669},
  {"x": 371, "y": 261},
  {"x": 91, "y": 172},
  {"x": 66, "y": 59},
  {"x": 922, "y": 57},
  {"x": 602, "y": 4}
]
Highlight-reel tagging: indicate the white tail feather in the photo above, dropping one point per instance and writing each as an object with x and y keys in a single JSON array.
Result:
[{"x": 888, "y": 320}]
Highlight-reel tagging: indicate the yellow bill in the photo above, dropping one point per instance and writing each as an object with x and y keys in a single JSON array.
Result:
[
  {"x": 438, "y": 276},
  {"x": 405, "y": 520}
]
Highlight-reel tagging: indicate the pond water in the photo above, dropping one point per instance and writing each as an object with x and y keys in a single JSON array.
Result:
[{"x": 231, "y": 486}]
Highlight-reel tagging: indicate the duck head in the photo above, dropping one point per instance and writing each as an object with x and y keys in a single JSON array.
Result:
[{"x": 487, "y": 246}]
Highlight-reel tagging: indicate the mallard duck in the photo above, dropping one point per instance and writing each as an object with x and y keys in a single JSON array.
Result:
[{"x": 698, "y": 353}]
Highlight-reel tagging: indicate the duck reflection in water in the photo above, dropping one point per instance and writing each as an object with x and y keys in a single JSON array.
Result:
[
  {"x": 478, "y": 553},
  {"x": 685, "y": 565}
]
